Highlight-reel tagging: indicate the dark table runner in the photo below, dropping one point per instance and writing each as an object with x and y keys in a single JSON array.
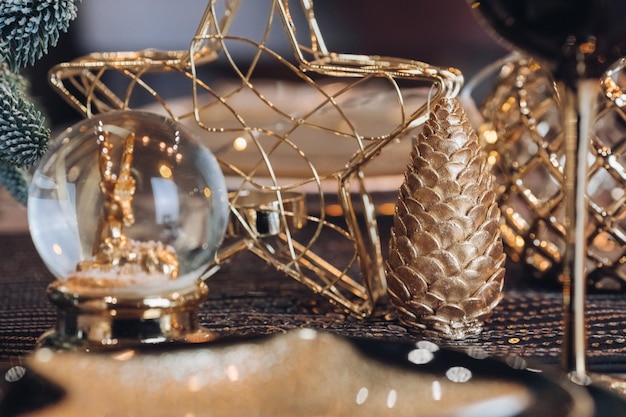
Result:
[{"x": 249, "y": 297}]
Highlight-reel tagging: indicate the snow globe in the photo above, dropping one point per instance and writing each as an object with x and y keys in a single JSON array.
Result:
[{"x": 127, "y": 210}]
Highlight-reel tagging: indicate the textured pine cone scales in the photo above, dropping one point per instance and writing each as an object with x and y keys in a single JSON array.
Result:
[{"x": 446, "y": 262}]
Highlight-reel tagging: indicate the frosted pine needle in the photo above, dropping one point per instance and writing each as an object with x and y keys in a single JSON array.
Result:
[
  {"x": 28, "y": 28},
  {"x": 23, "y": 133}
]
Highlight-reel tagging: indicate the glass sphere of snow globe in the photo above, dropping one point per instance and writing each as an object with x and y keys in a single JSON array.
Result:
[{"x": 127, "y": 201}]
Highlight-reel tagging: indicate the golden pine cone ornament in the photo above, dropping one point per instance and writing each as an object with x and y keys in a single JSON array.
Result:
[{"x": 445, "y": 268}]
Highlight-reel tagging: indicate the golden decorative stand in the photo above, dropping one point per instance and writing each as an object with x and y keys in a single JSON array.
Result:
[{"x": 311, "y": 136}]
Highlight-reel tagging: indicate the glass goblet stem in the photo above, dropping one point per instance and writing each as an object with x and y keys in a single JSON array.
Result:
[{"x": 577, "y": 103}]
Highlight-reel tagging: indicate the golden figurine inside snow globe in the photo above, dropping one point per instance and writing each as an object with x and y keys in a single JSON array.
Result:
[{"x": 127, "y": 210}]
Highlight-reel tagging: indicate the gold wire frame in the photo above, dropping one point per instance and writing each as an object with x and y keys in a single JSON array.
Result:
[{"x": 281, "y": 165}]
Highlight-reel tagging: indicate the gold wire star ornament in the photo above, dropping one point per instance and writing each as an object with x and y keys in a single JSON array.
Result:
[{"x": 290, "y": 148}]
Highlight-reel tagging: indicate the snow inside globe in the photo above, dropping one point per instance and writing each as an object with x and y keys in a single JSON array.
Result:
[{"x": 127, "y": 202}]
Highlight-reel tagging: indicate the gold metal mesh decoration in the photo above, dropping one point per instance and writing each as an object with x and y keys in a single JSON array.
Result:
[
  {"x": 520, "y": 127},
  {"x": 331, "y": 125}
]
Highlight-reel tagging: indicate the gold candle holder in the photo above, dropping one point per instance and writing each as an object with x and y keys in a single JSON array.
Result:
[{"x": 328, "y": 140}]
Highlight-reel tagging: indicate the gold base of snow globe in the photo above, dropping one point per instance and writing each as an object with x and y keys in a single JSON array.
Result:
[{"x": 90, "y": 319}]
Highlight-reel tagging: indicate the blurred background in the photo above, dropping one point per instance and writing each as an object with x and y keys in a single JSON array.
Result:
[{"x": 439, "y": 32}]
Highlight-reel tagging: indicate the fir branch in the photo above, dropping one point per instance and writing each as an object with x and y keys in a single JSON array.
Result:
[
  {"x": 13, "y": 179},
  {"x": 29, "y": 27},
  {"x": 23, "y": 131},
  {"x": 15, "y": 79}
]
